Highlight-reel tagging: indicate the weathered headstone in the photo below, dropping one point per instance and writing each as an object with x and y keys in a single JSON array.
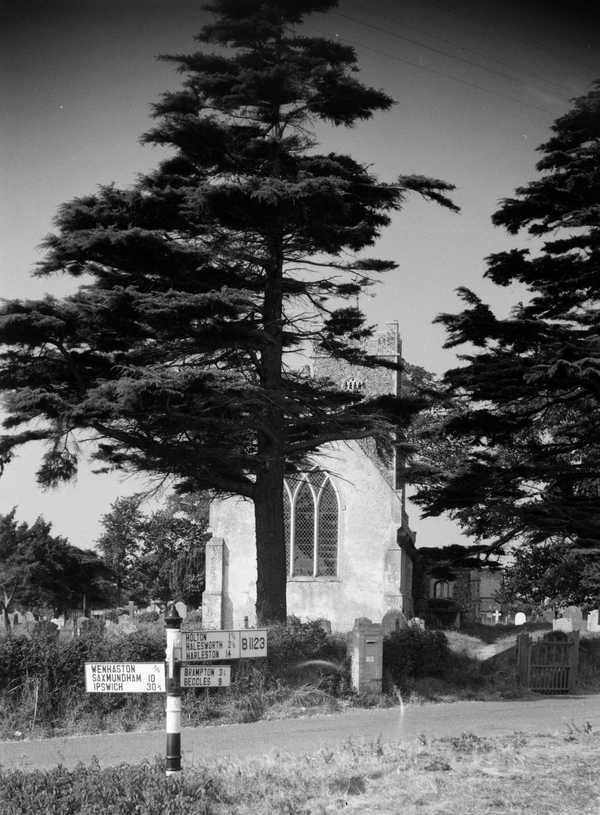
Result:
[
  {"x": 45, "y": 628},
  {"x": 324, "y": 624},
  {"x": 548, "y": 615},
  {"x": 563, "y": 624},
  {"x": 574, "y": 614},
  {"x": 592, "y": 621},
  {"x": 393, "y": 620},
  {"x": 520, "y": 618}
]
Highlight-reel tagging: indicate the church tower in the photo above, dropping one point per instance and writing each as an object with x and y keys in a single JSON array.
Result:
[{"x": 386, "y": 343}]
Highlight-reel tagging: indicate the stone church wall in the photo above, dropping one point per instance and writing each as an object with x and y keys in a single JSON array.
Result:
[{"x": 374, "y": 574}]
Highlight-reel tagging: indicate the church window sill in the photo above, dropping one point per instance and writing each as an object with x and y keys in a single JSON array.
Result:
[{"x": 318, "y": 579}]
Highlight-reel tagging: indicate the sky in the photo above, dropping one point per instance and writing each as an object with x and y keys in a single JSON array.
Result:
[{"x": 477, "y": 87}]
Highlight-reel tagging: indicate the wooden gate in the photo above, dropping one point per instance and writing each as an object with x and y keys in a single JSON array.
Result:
[{"x": 549, "y": 665}]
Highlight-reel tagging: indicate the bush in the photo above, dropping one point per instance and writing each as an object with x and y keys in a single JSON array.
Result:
[
  {"x": 147, "y": 617},
  {"x": 589, "y": 664},
  {"x": 42, "y": 684},
  {"x": 414, "y": 653},
  {"x": 296, "y": 643}
]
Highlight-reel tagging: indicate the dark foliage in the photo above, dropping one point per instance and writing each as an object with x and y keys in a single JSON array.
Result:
[
  {"x": 204, "y": 277},
  {"x": 39, "y": 570},
  {"x": 414, "y": 653},
  {"x": 528, "y": 386}
]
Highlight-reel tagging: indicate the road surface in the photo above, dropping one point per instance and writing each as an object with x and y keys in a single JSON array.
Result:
[{"x": 297, "y": 736}]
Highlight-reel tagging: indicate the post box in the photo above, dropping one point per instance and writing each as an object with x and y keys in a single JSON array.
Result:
[{"x": 367, "y": 656}]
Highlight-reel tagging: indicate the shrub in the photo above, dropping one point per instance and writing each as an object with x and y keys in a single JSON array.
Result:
[
  {"x": 147, "y": 617},
  {"x": 42, "y": 679},
  {"x": 414, "y": 653},
  {"x": 589, "y": 664},
  {"x": 293, "y": 646}
]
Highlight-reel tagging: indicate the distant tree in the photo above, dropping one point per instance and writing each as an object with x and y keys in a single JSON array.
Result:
[
  {"x": 205, "y": 277},
  {"x": 120, "y": 542},
  {"x": 552, "y": 574},
  {"x": 170, "y": 563},
  {"x": 528, "y": 388},
  {"x": 445, "y": 562},
  {"x": 156, "y": 556},
  {"x": 38, "y": 569}
]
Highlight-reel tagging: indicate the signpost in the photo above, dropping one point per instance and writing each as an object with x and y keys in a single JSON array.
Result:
[
  {"x": 199, "y": 646},
  {"x": 172, "y": 675},
  {"x": 205, "y": 676},
  {"x": 125, "y": 677}
]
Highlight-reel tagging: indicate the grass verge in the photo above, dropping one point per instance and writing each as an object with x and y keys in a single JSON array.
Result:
[{"x": 469, "y": 775}]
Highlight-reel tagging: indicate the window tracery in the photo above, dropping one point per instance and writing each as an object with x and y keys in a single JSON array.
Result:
[{"x": 311, "y": 520}]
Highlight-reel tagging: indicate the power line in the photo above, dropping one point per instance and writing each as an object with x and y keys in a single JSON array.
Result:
[
  {"x": 422, "y": 45},
  {"x": 440, "y": 51},
  {"x": 475, "y": 52},
  {"x": 452, "y": 77},
  {"x": 529, "y": 42}
]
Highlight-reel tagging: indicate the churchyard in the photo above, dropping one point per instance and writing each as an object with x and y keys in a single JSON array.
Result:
[{"x": 308, "y": 670}]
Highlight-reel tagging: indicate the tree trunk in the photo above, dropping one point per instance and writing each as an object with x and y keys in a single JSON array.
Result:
[
  {"x": 6, "y": 617},
  {"x": 271, "y": 580}
]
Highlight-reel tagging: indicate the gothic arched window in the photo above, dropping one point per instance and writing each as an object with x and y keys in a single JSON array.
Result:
[
  {"x": 442, "y": 590},
  {"x": 311, "y": 519}
]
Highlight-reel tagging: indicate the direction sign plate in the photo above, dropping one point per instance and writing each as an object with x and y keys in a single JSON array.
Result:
[
  {"x": 205, "y": 676},
  {"x": 253, "y": 643},
  {"x": 199, "y": 645},
  {"x": 125, "y": 677}
]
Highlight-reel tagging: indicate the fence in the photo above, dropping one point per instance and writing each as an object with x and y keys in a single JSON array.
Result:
[{"x": 549, "y": 665}]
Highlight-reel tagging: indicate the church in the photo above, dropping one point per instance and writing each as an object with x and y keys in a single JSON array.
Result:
[{"x": 349, "y": 549}]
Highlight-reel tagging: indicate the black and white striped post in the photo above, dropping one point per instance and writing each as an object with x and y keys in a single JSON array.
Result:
[{"x": 173, "y": 658}]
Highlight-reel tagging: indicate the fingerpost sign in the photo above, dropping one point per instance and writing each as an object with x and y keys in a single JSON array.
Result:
[{"x": 170, "y": 676}]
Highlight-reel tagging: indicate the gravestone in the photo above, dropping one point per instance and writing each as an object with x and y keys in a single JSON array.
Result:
[
  {"x": 563, "y": 624},
  {"x": 324, "y": 624},
  {"x": 592, "y": 621},
  {"x": 45, "y": 628},
  {"x": 574, "y": 614},
  {"x": 548, "y": 615},
  {"x": 520, "y": 618},
  {"x": 393, "y": 620}
]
